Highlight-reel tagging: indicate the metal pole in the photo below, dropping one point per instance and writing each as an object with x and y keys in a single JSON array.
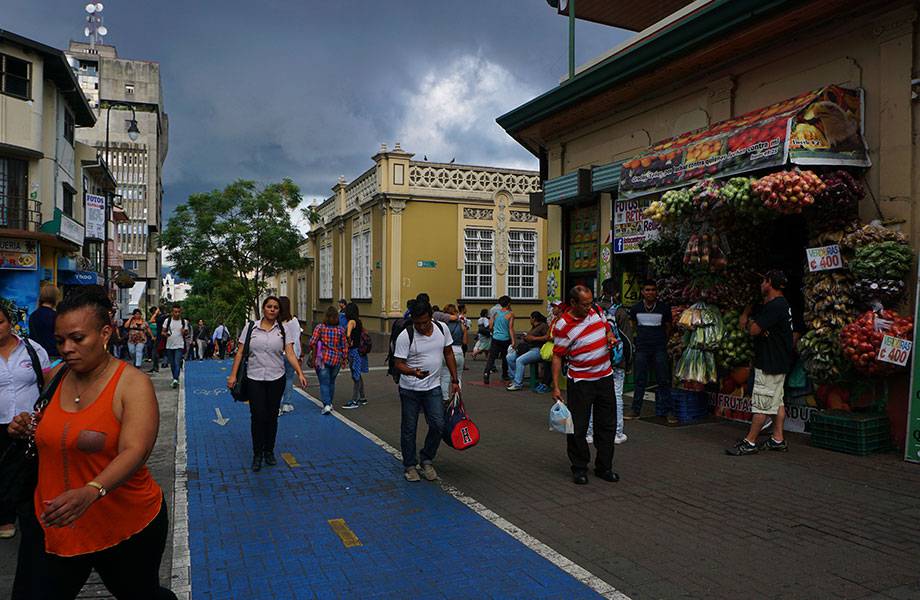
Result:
[
  {"x": 571, "y": 39},
  {"x": 105, "y": 210}
]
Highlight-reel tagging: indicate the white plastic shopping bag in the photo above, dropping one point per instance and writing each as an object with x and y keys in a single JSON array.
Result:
[{"x": 560, "y": 419}]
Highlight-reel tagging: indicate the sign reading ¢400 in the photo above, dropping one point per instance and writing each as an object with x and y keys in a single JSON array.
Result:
[
  {"x": 824, "y": 258},
  {"x": 894, "y": 350}
]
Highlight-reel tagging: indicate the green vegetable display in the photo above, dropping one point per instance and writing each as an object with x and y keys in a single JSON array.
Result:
[
  {"x": 737, "y": 347},
  {"x": 883, "y": 260}
]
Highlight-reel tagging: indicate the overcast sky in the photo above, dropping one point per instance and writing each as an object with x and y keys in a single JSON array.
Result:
[{"x": 308, "y": 89}]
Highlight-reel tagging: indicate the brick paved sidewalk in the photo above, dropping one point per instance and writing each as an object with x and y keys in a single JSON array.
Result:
[
  {"x": 268, "y": 535},
  {"x": 686, "y": 521}
]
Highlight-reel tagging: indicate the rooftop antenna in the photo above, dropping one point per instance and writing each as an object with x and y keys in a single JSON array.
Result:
[{"x": 94, "y": 29}]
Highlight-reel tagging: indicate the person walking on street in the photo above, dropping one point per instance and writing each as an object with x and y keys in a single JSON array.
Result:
[
  {"x": 98, "y": 505},
  {"x": 421, "y": 350},
  {"x": 771, "y": 328},
  {"x": 483, "y": 335},
  {"x": 458, "y": 336},
  {"x": 619, "y": 317},
  {"x": 501, "y": 326},
  {"x": 653, "y": 319},
  {"x": 328, "y": 348},
  {"x": 293, "y": 332},
  {"x": 583, "y": 337},
  {"x": 219, "y": 338},
  {"x": 269, "y": 348},
  {"x": 528, "y": 351},
  {"x": 177, "y": 332},
  {"x": 41, "y": 321},
  {"x": 138, "y": 332},
  {"x": 202, "y": 337},
  {"x": 156, "y": 326},
  {"x": 357, "y": 361}
]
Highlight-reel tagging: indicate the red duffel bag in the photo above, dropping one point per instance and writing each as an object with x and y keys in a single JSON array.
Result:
[{"x": 460, "y": 432}]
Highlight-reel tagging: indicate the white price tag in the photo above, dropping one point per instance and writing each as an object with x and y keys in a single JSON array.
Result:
[
  {"x": 894, "y": 350},
  {"x": 824, "y": 258}
]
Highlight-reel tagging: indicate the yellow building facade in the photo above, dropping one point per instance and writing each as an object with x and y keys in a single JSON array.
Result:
[{"x": 463, "y": 234}]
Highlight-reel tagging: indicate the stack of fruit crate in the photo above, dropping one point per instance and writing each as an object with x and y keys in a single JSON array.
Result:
[{"x": 853, "y": 433}]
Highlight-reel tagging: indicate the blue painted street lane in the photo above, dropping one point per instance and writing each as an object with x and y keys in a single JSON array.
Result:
[{"x": 341, "y": 524}]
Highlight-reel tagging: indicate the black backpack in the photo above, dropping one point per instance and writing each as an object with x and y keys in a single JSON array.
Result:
[{"x": 400, "y": 325}]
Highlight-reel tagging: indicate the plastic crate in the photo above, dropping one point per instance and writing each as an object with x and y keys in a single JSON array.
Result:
[
  {"x": 689, "y": 405},
  {"x": 858, "y": 434}
]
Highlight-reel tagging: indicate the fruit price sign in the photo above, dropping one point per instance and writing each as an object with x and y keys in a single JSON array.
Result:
[
  {"x": 631, "y": 227},
  {"x": 824, "y": 258},
  {"x": 894, "y": 350}
]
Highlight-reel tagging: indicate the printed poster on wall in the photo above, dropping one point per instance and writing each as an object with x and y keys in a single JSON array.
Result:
[
  {"x": 553, "y": 277},
  {"x": 631, "y": 227},
  {"x": 583, "y": 240},
  {"x": 821, "y": 127},
  {"x": 95, "y": 217}
]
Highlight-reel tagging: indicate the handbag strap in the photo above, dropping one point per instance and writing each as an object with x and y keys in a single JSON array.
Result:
[
  {"x": 45, "y": 397},
  {"x": 36, "y": 364},
  {"x": 252, "y": 325}
]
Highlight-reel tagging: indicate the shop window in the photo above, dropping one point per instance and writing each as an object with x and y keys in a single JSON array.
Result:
[
  {"x": 14, "y": 181},
  {"x": 522, "y": 264},
  {"x": 15, "y": 77},
  {"x": 361, "y": 265},
  {"x": 68, "y": 126},
  {"x": 478, "y": 263},
  {"x": 325, "y": 272}
]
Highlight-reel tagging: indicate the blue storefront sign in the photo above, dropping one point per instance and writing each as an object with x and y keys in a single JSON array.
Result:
[{"x": 80, "y": 278}]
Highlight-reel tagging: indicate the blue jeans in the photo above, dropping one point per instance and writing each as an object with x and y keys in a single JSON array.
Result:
[
  {"x": 412, "y": 402},
  {"x": 326, "y": 377},
  {"x": 289, "y": 374},
  {"x": 518, "y": 364},
  {"x": 137, "y": 353},
  {"x": 645, "y": 359},
  {"x": 174, "y": 356}
]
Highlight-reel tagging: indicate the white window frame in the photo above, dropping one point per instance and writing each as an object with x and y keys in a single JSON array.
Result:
[
  {"x": 325, "y": 272},
  {"x": 302, "y": 297},
  {"x": 361, "y": 265},
  {"x": 478, "y": 279},
  {"x": 522, "y": 277}
]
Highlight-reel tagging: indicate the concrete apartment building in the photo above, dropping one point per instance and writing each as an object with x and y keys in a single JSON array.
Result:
[{"x": 118, "y": 90}]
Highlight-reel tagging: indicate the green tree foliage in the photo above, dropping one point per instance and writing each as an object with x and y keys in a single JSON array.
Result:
[
  {"x": 214, "y": 299},
  {"x": 229, "y": 240}
]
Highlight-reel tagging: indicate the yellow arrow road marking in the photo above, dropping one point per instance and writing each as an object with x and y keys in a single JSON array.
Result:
[
  {"x": 289, "y": 459},
  {"x": 341, "y": 529}
]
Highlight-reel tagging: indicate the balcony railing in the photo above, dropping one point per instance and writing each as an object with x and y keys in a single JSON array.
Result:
[{"x": 18, "y": 212}]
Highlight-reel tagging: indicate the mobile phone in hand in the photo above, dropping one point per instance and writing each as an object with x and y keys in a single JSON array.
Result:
[{"x": 424, "y": 374}]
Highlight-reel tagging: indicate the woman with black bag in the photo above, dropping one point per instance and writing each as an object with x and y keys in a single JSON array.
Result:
[
  {"x": 265, "y": 346},
  {"x": 22, "y": 363}
]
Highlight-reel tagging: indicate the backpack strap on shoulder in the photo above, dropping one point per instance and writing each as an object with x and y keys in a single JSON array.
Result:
[{"x": 36, "y": 363}]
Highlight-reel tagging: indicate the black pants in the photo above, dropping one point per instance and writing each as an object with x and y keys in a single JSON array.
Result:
[
  {"x": 7, "y": 509},
  {"x": 130, "y": 570},
  {"x": 222, "y": 349},
  {"x": 498, "y": 349},
  {"x": 31, "y": 579},
  {"x": 582, "y": 397},
  {"x": 264, "y": 402}
]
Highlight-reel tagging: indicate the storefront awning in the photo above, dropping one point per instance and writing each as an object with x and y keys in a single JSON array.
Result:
[
  {"x": 580, "y": 184},
  {"x": 81, "y": 278},
  {"x": 822, "y": 127}
]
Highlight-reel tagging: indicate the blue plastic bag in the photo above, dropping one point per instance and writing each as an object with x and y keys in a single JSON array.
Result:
[{"x": 560, "y": 419}]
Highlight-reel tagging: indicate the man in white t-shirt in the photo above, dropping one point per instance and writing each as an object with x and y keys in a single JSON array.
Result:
[
  {"x": 177, "y": 332},
  {"x": 420, "y": 353}
]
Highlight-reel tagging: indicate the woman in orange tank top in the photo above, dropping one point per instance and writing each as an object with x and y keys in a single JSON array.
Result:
[{"x": 95, "y": 499}]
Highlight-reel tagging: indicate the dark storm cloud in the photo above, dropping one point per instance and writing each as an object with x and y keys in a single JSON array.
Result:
[{"x": 309, "y": 89}]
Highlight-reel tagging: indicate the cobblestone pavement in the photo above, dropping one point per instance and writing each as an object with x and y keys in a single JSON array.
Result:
[
  {"x": 339, "y": 521},
  {"x": 162, "y": 466}
]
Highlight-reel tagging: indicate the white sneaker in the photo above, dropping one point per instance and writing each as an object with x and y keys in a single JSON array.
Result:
[
  {"x": 589, "y": 438},
  {"x": 411, "y": 474},
  {"x": 428, "y": 472},
  {"x": 175, "y": 383},
  {"x": 620, "y": 438},
  {"x": 327, "y": 409}
]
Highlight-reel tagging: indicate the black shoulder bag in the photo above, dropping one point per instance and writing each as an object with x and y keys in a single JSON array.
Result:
[
  {"x": 19, "y": 462},
  {"x": 238, "y": 391}
]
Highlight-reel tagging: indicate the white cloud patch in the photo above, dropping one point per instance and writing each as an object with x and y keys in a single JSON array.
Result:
[{"x": 452, "y": 112}]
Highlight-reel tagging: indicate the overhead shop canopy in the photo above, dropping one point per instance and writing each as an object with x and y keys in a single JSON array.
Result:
[{"x": 822, "y": 127}]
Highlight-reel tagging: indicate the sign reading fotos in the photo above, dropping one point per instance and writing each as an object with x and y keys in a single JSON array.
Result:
[{"x": 95, "y": 217}]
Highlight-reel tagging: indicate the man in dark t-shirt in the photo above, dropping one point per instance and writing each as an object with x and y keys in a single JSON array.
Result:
[
  {"x": 653, "y": 326},
  {"x": 771, "y": 328}
]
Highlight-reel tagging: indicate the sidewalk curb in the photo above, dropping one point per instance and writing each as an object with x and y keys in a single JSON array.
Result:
[
  {"x": 180, "y": 582},
  {"x": 577, "y": 572}
]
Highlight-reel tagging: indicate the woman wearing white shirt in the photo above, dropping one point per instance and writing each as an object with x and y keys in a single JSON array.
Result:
[
  {"x": 292, "y": 333},
  {"x": 19, "y": 389}
]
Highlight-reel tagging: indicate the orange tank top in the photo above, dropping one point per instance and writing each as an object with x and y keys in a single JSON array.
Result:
[{"x": 73, "y": 448}]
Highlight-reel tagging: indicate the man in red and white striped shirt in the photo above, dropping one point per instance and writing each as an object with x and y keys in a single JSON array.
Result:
[{"x": 583, "y": 338}]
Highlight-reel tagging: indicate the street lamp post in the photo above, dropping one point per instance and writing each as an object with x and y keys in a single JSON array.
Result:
[{"x": 133, "y": 133}]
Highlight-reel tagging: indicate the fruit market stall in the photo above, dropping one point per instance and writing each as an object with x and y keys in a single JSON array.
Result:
[{"x": 780, "y": 188}]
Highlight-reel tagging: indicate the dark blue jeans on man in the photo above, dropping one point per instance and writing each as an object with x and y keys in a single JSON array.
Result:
[
  {"x": 174, "y": 357},
  {"x": 431, "y": 404},
  {"x": 645, "y": 359}
]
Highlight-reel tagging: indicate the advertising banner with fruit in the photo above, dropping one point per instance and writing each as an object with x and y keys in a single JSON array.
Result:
[
  {"x": 819, "y": 127},
  {"x": 18, "y": 255}
]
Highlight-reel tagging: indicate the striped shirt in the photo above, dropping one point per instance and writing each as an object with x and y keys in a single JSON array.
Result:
[{"x": 583, "y": 342}]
